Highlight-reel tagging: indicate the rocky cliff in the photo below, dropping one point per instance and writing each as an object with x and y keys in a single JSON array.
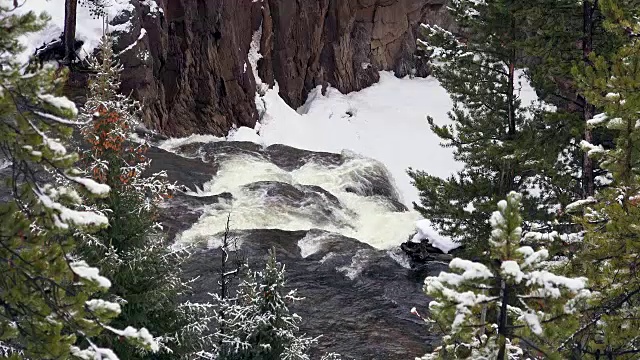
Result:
[{"x": 189, "y": 62}]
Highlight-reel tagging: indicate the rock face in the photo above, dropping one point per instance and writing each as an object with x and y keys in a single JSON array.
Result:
[{"x": 191, "y": 69}]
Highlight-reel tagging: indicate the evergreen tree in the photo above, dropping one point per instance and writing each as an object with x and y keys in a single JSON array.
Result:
[
  {"x": 563, "y": 34},
  {"x": 47, "y": 304},
  {"x": 257, "y": 322},
  {"x": 496, "y": 138},
  {"x": 132, "y": 250},
  {"x": 529, "y": 297},
  {"x": 611, "y": 249}
]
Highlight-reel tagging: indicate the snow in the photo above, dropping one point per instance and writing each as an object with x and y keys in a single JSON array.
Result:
[
  {"x": 426, "y": 232},
  {"x": 88, "y": 29},
  {"x": 92, "y": 186},
  {"x": 254, "y": 56},
  {"x": 580, "y": 203},
  {"x": 142, "y": 334},
  {"x": 82, "y": 269},
  {"x": 533, "y": 257},
  {"x": 533, "y": 322},
  {"x": 87, "y": 354},
  {"x": 551, "y": 283},
  {"x": 598, "y": 119},
  {"x": 54, "y": 145},
  {"x": 65, "y": 216},
  {"x": 590, "y": 148},
  {"x": 616, "y": 124},
  {"x": 512, "y": 270},
  {"x": 154, "y": 9},
  {"x": 99, "y": 304},
  {"x": 471, "y": 270},
  {"x": 244, "y": 134},
  {"x": 143, "y": 33},
  {"x": 60, "y": 102}
]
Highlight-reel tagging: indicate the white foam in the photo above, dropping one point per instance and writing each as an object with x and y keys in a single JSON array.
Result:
[
  {"x": 358, "y": 263},
  {"x": 368, "y": 219},
  {"x": 173, "y": 144},
  {"x": 312, "y": 243},
  {"x": 400, "y": 257}
]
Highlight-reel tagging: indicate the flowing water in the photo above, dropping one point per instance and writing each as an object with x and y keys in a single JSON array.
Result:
[
  {"x": 335, "y": 220},
  {"x": 345, "y": 198}
]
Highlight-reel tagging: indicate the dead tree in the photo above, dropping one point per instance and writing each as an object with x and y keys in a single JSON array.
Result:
[
  {"x": 69, "y": 37},
  {"x": 230, "y": 269}
]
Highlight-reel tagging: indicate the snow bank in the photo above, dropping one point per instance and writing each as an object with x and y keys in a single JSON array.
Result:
[{"x": 386, "y": 122}]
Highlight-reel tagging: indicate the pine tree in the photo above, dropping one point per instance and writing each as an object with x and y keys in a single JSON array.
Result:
[
  {"x": 257, "y": 322},
  {"x": 529, "y": 297},
  {"x": 47, "y": 305},
  {"x": 611, "y": 249},
  {"x": 132, "y": 250},
  {"x": 563, "y": 35},
  {"x": 496, "y": 138}
]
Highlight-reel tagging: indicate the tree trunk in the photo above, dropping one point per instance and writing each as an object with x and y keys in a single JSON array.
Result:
[
  {"x": 502, "y": 323},
  {"x": 511, "y": 100},
  {"x": 69, "y": 37},
  {"x": 588, "y": 10},
  {"x": 224, "y": 258}
]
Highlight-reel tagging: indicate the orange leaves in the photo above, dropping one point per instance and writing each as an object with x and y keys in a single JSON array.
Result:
[
  {"x": 127, "y": 177},
  {"x": 106, "y": 134}
]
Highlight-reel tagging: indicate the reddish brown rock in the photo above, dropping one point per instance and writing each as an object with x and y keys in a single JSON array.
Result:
[{"x": 191, "y": 68}]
